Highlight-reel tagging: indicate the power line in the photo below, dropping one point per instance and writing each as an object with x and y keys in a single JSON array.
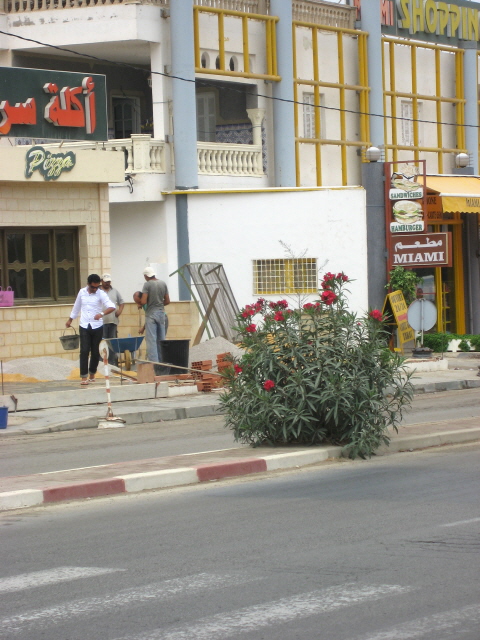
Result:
[{"x": 207, "y": 83}]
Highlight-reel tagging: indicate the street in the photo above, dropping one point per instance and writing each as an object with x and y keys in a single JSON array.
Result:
[
  {"x": 385, "y": 549},
  {"x": 28, "y": 454}
]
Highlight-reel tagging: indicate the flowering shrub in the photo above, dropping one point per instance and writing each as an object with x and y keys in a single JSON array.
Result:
[{"x": 315, "y": 374}]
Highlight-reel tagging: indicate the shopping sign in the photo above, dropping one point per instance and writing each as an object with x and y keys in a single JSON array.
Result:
[
  {"x": 36, "y": 103},
  {"x": 422, "y": 250},
  {"x": 396, "y": 306}
]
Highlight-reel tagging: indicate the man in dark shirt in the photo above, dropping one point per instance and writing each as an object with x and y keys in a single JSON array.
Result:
[{"x": 155, "y": 297}]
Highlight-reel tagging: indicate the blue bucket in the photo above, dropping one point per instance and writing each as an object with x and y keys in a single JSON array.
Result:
[{"x": 3, "y": 417}]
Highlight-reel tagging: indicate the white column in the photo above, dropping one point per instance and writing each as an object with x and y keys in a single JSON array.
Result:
[
  {"x": 256, "y": 118},
  {"x": 159, "y": 105},
  {"x": 371, "y": 22},
  {"x": 470, "y": 83}
]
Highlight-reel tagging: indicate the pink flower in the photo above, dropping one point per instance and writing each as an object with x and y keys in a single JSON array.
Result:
[
  {"x": 248, "y": 313},
  {"x": 283, "y": 304},
  {"x": 238, "y": 368},
  {"x": 268, "y": 385},
  {"x": 279, "y": 316},
  {"x": 376, "y": 314},
  {"x": 251, "y": 328},
  {"x": 328, "y": 297}
]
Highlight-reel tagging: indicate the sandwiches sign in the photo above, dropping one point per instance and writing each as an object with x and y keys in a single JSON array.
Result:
[{"x": 406, "y": 199}]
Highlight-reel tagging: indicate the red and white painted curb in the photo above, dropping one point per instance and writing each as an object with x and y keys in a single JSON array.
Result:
[
  {"x": 135, "y": 482},
  {"x": 162, "y": 479}
]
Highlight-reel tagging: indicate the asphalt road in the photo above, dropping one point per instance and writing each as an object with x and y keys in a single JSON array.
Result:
[
  {"x": 385, "y": 549},
  {"x": 41, "y": 453}
]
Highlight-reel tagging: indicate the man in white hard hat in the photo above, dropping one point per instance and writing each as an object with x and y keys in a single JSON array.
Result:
[
  {"x": 155, "y": 297},
  {"x": 111, "y": 320}
]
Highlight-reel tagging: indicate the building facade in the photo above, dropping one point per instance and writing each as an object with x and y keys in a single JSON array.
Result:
[{"x": 245, "y": 125}]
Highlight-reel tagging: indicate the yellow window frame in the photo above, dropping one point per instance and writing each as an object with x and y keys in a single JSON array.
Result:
[
  {"x": 361, "y": 88},
  {"x": 391, "y": 95},
  {"x": 270, "y": 43},
  {"x": 286, "y": 273}
]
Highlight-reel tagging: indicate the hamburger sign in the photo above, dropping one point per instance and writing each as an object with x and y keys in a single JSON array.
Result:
[{"x": 406, "y": 199}]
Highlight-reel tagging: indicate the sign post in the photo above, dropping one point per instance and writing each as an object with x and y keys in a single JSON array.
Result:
[{"x": 396, "y": 306}]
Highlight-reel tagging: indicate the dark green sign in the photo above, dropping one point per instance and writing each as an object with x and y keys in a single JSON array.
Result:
[{"x": 35, "y": 103}]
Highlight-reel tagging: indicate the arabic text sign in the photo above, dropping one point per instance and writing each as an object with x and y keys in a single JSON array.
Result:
[
  {"x": 422, "y": 250},
  {"x": 396, "y": 302},
  {"x": 37, "y": 103}
]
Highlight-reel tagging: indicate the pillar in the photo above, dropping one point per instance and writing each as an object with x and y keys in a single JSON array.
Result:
[
  {"x": 283, "y": 105},
  {"x": 371, "y": 22},
  {"x": 470, "y": 82}
]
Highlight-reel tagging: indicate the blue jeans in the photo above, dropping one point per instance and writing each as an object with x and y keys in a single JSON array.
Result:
[{"x": 154, "y": 333}]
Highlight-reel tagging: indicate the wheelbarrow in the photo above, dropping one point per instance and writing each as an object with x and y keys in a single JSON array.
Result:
[{"x": 126, "y": 347}]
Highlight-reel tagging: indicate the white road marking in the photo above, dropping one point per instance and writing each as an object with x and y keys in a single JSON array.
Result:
[
  {"x": 41, "y": 618},
  {"x": 250, "y": 619},
  {"x": 460, "y": 522},
  {"x": 441, "y": 622},
  {"x": 50, "y": 576}
]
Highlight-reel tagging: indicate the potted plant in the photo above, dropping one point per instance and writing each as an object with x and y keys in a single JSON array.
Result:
[{"x": 406, "y": 281}]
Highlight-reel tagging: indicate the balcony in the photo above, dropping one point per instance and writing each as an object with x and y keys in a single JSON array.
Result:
[
  {"x": 143, "y": 154},
  {"x": 313, "y": 11}
]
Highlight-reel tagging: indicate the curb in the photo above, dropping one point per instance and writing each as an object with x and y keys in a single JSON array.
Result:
[
  {"x": 146, "y": 416},
  {"x": 183, "y": 476}
]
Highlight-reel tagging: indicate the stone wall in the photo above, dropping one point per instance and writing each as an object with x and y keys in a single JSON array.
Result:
[{"x": 34, "y": 331}]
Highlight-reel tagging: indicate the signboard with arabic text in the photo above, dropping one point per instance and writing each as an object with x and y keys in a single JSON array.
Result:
[
  {"x": 37, "y": 103},
  {"x": 422, "y": 250}
]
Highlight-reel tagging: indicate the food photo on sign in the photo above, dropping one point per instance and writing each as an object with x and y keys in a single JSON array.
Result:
[{"x": 405, "y": 196}]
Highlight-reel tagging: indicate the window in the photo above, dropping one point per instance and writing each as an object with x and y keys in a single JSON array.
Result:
[
  {"x": 309, "y": 115},
  {"x": 126, "y": 117},
  {"x": 297, "y": 275},
  {"x": 407, "y": 123},
  {"x": 41, "y": 265},
  {"x": 206, "y": 116}
]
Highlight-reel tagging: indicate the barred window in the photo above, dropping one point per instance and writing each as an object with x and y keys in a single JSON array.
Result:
[
  {"x": 40, "y": 264},
  {"x": 297, "y": 275}
]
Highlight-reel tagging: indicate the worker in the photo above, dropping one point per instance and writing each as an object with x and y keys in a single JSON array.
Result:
[
  {"x": 92, "y": 304},
  {"x": 155, "y": 298},
  {"x": 111, "y": 321}
]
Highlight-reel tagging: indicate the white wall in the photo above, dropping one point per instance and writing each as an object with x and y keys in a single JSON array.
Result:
[
  {"x": 236, "y": 228},
  {"x": 138, "y": 239}
]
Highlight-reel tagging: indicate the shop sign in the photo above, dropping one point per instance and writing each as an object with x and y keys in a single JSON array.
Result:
[
  {"x": 405, "y": 198},
  {"x": 49, "y": 165},
  {"x": 37, "y": 103},
  {"x": 396, "y": 305},
  {"x": 430, "y": 20},
  {"x": 434, "y": 211},
  {"x": 422, "y": 250}
]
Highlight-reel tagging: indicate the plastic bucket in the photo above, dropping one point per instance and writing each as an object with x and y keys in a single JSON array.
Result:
[
  {"x": 3, "y": 417},
  {"x": 70, "y": 342}
]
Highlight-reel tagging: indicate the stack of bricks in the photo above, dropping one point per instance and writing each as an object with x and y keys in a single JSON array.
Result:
[
  {"x": 224, "y": 361},
  {"x": 204, "y": 381}
]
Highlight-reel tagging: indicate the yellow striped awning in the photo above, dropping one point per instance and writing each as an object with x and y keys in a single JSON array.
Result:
[{"x": 458, "y": 193}]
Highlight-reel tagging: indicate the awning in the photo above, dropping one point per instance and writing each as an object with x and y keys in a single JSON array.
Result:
[{"x": 459, "y": 193}]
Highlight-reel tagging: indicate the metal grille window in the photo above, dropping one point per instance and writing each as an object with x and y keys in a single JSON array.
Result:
[
  {"x": 297, "y": 275},
  {"x": 309, "y": 115},
  {"x": 41, "y": 265}
]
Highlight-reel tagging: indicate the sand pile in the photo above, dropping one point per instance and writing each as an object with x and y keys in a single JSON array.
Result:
[
  {"x": 210, "y": 349},
  {"x": 40, "y": 369}
]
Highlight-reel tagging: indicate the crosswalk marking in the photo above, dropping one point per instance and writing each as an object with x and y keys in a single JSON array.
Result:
[
  {"x": 248, "y": 619},
  {"x": 41, "y": 618},
  {"x": 456, "y": 524},
  {"x": 50, "y": 576},
  {"x": 417, "y": 629}
]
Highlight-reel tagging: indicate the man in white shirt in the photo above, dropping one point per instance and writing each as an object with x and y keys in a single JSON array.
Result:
[{"x": 91, "y": 305}]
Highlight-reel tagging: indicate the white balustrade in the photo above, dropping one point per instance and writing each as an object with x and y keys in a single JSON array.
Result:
[
  {"x": 222, "y": 159},
  {"x": 142, "y": 153},
  {"x": 304, "y": 10}
]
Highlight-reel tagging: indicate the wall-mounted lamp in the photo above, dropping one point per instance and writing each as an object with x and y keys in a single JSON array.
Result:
[
  {"x": 462, "y": 160},
  {"x": 149, "y": 80},
  {"x": 373, "y": 154}
]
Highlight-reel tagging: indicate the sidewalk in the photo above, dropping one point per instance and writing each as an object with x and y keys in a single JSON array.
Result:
[{"x": 156, "y": 473}]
